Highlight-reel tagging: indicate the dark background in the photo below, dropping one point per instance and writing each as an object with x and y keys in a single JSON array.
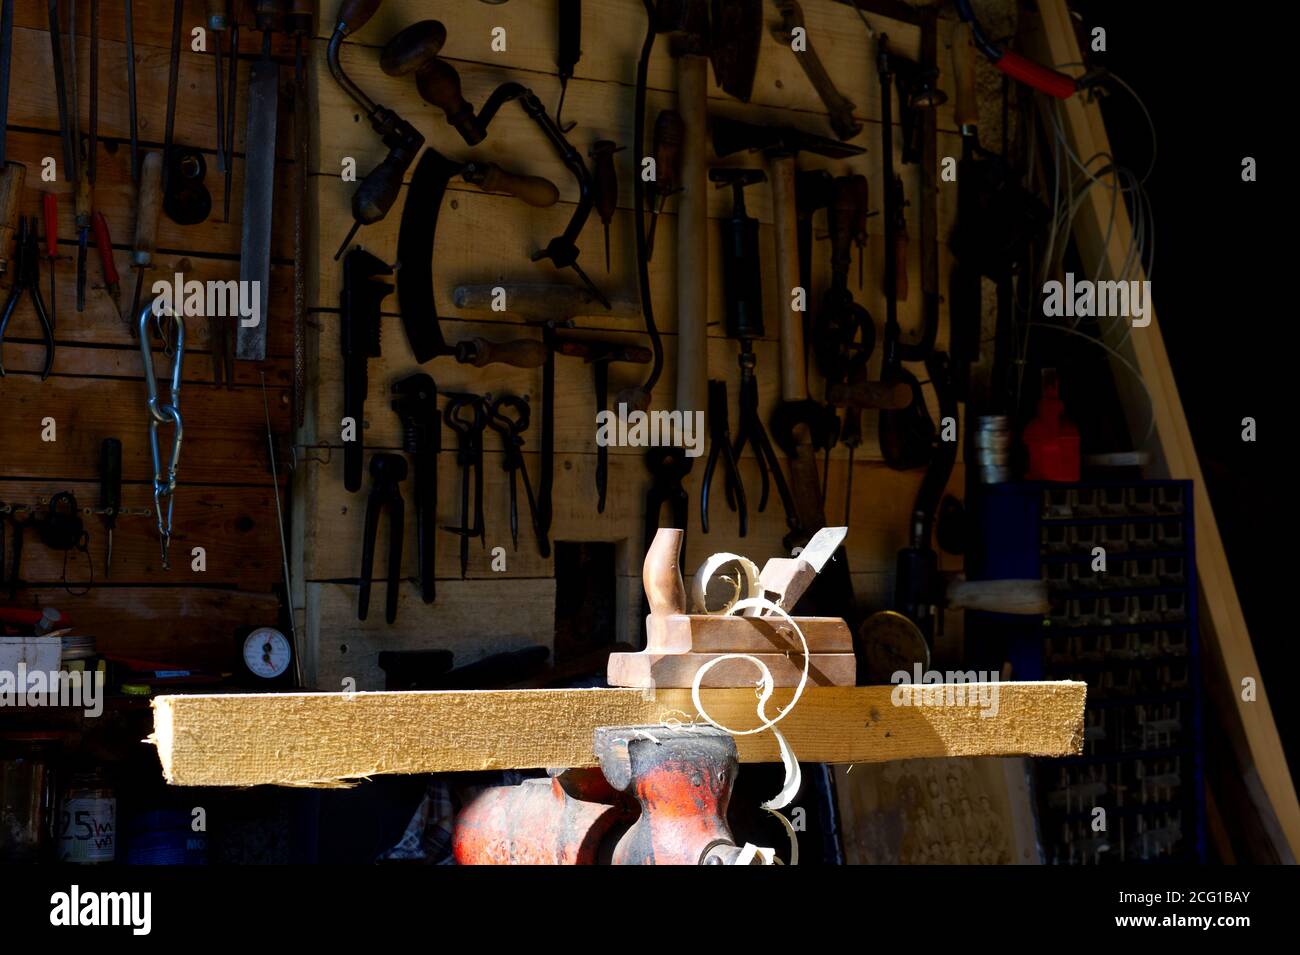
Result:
[{"x": 1220, "y": 281}]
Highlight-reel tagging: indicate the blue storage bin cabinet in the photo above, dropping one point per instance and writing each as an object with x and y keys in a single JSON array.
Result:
[{"x": 1129, "y": 632}]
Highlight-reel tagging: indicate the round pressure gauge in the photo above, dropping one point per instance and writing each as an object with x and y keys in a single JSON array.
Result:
[{"x": 267, "y": 653}]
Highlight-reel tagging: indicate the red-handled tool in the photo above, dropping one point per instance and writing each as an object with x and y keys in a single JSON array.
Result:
[
  {"x": 104, "y": 246},
  {"x": 50, "y": 208},
  {"x": 1042, "y": 78}
]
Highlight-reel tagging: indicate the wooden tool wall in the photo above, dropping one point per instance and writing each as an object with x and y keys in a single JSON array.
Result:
[
  {"x": 484, "y": 238},
  {"x": 224, "y": 503}
]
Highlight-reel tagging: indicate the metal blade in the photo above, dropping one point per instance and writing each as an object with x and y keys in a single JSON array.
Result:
[{"x": 259, "y": 197}]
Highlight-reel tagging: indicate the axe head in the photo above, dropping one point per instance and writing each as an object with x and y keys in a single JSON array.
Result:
[
  {"x": 737, "y": 28},
  {"x": 733, "y": 136}
]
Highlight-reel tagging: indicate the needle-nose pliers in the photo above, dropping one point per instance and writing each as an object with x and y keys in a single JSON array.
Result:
[{"x": 27, "y": 276}]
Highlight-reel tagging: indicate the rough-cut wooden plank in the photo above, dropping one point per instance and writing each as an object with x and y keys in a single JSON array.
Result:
[
  {"x": 1103, "y": 238},
  {"x": 349, "y": 648},
  {"x": 325, "y": 738},
  {"x": 28, "y": 357},
  {"x": 241, "y": 545},
  {"x": 188, "y": 626}
]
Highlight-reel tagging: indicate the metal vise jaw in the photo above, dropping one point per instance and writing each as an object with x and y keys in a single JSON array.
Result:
[{"x": 662, "y": 800}]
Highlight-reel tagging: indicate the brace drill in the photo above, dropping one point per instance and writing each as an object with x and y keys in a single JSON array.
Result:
[{"x": 160, "y": 413}]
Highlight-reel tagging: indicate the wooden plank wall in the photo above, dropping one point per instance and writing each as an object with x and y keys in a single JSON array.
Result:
[
  {"x": 224, "y": 502},
  {"x": 488, "y": 238}
]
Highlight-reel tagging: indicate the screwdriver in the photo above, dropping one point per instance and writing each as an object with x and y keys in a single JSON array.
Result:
[
  {"x": 606, "y": 185},
  {"x": 50, "y": 208},
  {"x": 148, "y": 205},
  {"x": 104, "y": 246},
  {"x": 110, "y": 492},
  {"x": 669, "y": 133}
]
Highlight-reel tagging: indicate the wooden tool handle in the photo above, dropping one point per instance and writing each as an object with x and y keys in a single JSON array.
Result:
[
  {"x": 412, "y": 48},
  {"x": 966, "y": 109},
  {"x": 693, "y": 237},
  {"x": 794, "y": 377},
  {"x": 534, "y": 190},
  {"x": 668, "y": 135},
  {"x": 1028, "y": 597},
  {"x": 81, "y": 203},
  {"x": 661, "y": 573},
  {"x": 521, "y": 353},
  {"x": 148, "y": 206},
  {"x": 439, "y": 85},
  {"x": 11, "y": 190},
  {"x": 354, "y": 14}
]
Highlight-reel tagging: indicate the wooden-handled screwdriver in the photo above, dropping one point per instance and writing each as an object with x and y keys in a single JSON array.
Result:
[
  {"x": 605, "y": 185},
  {"x": 147, "y": 208},
  {"x": 669, "y": 133}
]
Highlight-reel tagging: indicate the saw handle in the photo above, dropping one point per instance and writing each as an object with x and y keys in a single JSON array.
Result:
[
  {"x": 148, "y": 207},
  {"x": 534, "y": 190}
]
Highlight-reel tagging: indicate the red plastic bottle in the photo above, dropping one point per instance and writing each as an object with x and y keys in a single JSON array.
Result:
[{"x": 1051, "y": 438}]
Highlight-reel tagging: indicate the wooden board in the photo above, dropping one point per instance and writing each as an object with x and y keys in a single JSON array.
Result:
[
  {"x": 1103, "y": 238},
  {"x": 322, "y": 739}
]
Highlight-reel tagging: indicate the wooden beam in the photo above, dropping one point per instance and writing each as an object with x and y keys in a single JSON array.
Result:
[
  {"x": 1103, "y": 237},
  {"x": 325, "y": 739}
]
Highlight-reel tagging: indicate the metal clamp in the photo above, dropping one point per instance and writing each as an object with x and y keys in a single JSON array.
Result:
[{"x": 163, "y": 413}]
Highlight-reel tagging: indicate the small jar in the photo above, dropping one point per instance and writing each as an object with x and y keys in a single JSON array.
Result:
[{"x": 88, "y": 821}]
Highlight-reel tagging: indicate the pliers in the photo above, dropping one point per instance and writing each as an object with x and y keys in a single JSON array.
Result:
[
  {"x": 720, "y": 438},
  {"x": 511, "y": 430},
  {"x": 387, "y": 472},
  {"x": 27, "y": 276}
]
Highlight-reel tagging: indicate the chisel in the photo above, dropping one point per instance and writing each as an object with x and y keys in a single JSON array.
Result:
[{"x": 259, "y": 185}]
